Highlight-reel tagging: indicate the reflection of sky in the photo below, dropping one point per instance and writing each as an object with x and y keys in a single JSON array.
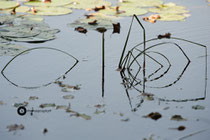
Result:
[{"x": 88, "y": 74}]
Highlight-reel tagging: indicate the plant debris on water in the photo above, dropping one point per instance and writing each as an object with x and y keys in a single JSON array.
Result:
[
  {"x": 153, "y": 115},
  {"x": 66, "y": 87},
  {"x": 20, "y": 104},
  {"x": 33, "y": 98},
  {"x": 15, "y": 127},
  {"x": 45, "y": 130},
  {"x": 46, "y": 105},
  {"x": 68, "y": 97},
  {"x": 178, "y": 118},
  {"x": 198, "y": 107}
]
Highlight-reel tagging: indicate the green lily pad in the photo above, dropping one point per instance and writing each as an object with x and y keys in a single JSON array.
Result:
[
  {"x": 51, "y": 11},
  {"x": 101, "y": 21},
  {"x": 52, "y": 3},
  {"x": 18, "y": 32},
  {"x": 169, "y": 8},
  {"x": 6, "y": 19},
  {"x": 85, "y": 4},
  {"x": 124, "y": 11},
  {"x": 4, "y": 5},
  {"x": 25, "y": 30},
  {"x": 141, "y": 3},
  {"x": 10, "y": 49},
  {"x": 171, "y": 17}
]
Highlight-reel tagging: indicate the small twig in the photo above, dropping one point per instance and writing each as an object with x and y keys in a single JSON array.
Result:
[{"x": 192, "y": 134}]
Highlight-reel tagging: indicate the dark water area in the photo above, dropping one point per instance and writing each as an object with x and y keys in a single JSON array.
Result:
[{"x": 185, "y": 84}]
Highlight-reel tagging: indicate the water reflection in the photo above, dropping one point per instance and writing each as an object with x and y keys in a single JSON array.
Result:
[
  {"x": 150, "y": 69},
  {"x": 26, "y": 52}
]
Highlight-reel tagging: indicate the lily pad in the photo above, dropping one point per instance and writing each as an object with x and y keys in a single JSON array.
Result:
[
  {"x": 170, "y": 12},
  {"x": 85, "y": 4},
  {"x": 101, "y": 20},
  {"x": 28, "y": 31},
  {"x": 141, "y": 3},
  {"x": 171, "y": 17},
  {"x": 52, "y": 3},
  {"x": 4, "y": 5},
  {"x": 11, "y": 49},
  {"x": 124, "y": 11},
  {"x": 51, "y": 11},
  {"x": 169, "y": 8}
]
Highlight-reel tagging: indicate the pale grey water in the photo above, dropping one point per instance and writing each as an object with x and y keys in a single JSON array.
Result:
[{"x": 87, "y": 49}]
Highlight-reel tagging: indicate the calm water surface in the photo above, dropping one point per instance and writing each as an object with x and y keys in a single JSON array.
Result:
[{"x": 42, "y": 66}]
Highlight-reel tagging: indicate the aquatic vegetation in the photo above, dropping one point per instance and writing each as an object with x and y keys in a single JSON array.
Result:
[
  {"x": 5, "y": 5},
  {"x": 75, "y": 61}
]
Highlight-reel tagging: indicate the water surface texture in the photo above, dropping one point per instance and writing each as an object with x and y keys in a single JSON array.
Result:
[{"x": 175, "y": 81}]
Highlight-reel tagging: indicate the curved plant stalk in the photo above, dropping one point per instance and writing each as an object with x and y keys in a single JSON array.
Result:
[
  {"x": 131, "y": 80},
  {"x": 43, "y": 85}
]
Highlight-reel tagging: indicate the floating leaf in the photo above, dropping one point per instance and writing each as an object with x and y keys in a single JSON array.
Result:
[
  {"x": 170, "y": 12},
  {"x": 102, "y": 21},
  {"x": 51, "y": 11},
  {"x": 4, "y": 5},
  {"x": 153, "y": 115},
  {"x": 47, "y": 105},
  {"x": 141, "y": 3},
  {"x": 172, "y": 17},
  {"x": 18, "y": 32},
  {"x": 85, "y": 4},
  {"x": 178, "y": 118},
  {"x": 33, "y": 98},
  {"x": 15, "y": 127},
  {"x": 47, "y": 4},
  {"x": 7, "y": 49},
  {"x": 20, "y": 104},
  {"x": 169, "y": 8},
  {"x": 123, "y": 11},
  {"x": 198, "y": 107}
]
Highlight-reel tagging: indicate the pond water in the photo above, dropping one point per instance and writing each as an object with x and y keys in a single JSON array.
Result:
[{"x": 181, "y": 83}]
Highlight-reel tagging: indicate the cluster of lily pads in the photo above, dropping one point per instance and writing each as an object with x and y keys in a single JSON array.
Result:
[
  {"x": 22, "y": 28},
  {"x": 101, "y": 13}
]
